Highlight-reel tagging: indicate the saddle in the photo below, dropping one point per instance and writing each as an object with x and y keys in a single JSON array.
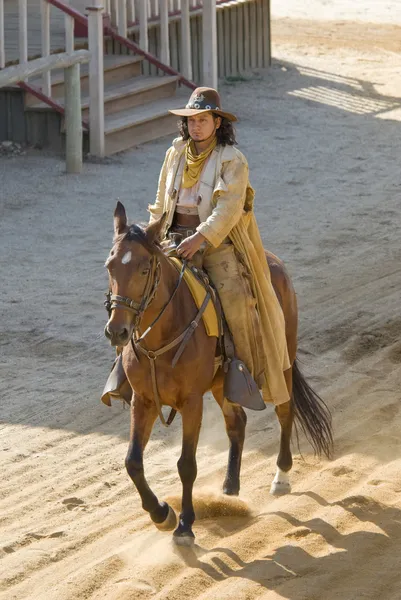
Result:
[{"x": 239, "y": 386}]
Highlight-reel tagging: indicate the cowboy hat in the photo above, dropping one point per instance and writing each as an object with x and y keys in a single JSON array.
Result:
[{"x": 203, "y": 99}]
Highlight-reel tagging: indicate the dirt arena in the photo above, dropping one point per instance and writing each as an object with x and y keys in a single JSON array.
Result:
[{"x": 322, "y": 132}]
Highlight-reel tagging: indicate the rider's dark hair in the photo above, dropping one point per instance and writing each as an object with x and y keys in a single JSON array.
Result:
[{"x": 225, "y": 133}]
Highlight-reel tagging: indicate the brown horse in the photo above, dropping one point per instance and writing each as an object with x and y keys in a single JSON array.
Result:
[{"x": 147, "y": 299}]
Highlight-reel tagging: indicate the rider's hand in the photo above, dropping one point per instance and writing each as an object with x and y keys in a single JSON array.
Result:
[{"x": 190, "y": 246}]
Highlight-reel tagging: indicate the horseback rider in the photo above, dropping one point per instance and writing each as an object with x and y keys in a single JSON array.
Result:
[{"x": 207, "y": 200}]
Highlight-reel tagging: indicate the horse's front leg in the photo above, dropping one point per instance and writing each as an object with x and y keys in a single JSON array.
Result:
[
  {"x": 235, "y": 419},
  {"x": 285, "y": 413},
  {"x": 143, "y": 416},
  {"x": 191, "y": 414}
]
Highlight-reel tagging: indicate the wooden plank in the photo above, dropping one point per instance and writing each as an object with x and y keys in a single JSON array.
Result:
[
  {"x": 122, "y": 17},
  {"x": 253, "y": 34},
  {"x": 220, "y": 42},
  {"x": 143, "y": 25},
  {"x": 164, "y": 33},
  {"x": 267, "y": 33},
  {"x": 260, "y": 26},
  {"x": 233, "y": 15},
  {"x": 186, "y": 55},
  {"x": 3, "y": 115},
  {"x": 2, "y": 44},
  {"x": 194, "y": 48},
  {"x": 227, "y": 46},
  {"x": 46, "y": 77},
  {"x": 69, "y": 34},
  {"x": 240, "y": 38},
  {"x": 175, "y": 50},
  {"x": 23, "y": 30},
  {"x": 73, "y": 121},
  {"x": 131, "y": 11},
  {"x": 96, "y": 81},
  {"x": 11, "y": 75},
  {"x": 152, "y": 42},
  {"x": 15, "y": 116},
  {"x": 209, "y": 43},
  {"x": 199, "y": 45},
  {"x": 247, "y": 53}
]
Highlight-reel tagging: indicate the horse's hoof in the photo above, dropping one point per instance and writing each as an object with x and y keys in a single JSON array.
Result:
[
  {"x": 184, "y": 539},
  {"x": 280, "y": 488},
  {"x": 170, "y": 522},
  {"x": 230, "y": 491}
]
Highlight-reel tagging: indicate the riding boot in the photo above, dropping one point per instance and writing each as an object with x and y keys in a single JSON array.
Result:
[{"x": 117, "y": 386}]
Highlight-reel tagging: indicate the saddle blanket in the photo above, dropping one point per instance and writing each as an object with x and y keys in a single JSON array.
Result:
[{"x": 198, "y": 293}]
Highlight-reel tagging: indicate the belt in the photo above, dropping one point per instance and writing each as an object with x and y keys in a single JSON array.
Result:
[{"x": 186, "y": 210}]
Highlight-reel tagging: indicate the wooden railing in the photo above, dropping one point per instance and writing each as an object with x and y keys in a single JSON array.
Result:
[
  {"x": 126, "y": 14},
  {"x": 70, "y": 62}
]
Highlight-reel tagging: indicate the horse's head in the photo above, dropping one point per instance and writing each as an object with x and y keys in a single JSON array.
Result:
[{"x": 134, "y": 270}]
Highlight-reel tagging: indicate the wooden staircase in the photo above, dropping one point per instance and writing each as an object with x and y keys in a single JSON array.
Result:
[{"x": 135, "y": 106}]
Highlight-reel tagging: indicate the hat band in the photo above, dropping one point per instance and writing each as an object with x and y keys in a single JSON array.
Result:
[{"x": 202, "y": 106}]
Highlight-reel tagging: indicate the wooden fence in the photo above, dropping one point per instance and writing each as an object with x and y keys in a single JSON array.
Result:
[{"x": 70, "y": 62}]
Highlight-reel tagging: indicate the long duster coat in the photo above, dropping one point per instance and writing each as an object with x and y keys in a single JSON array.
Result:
[{"x": 225, "y": 206}]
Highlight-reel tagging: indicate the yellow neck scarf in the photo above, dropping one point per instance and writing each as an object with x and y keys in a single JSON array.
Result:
[{"x": 194, "y": 162}]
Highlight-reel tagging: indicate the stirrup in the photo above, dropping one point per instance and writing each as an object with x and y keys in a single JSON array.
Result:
[{"x": 117, "y": 385}]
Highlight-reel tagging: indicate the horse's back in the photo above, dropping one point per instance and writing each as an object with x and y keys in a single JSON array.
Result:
[{"x": 285, "y": 293}]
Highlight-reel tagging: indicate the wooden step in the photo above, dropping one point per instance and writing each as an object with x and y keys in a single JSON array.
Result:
[
  {"x": 117, "y": 69},
  {"x": 124, "y": 95},
  {"x": 129, "y": 128}
]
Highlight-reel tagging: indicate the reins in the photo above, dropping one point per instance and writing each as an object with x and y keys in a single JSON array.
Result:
[{"x": 114, "y": 301}]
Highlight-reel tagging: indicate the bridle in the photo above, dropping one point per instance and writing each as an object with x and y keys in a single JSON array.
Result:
[{"x": 114, "y": 301}]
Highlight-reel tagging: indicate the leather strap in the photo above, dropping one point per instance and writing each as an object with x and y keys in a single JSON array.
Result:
[
  {"x": 193, "y": 325},
  {"x": 153, "y": 354},
  {"x": 159, "y": 316}
]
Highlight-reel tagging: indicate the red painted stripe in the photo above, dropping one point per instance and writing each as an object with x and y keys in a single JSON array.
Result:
[
  {"x": 70, "y": 11},
  {"x": 43, "y": 98}
]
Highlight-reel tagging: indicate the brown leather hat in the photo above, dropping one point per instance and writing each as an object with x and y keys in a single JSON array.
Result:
[{"x": 203, "y": 99}]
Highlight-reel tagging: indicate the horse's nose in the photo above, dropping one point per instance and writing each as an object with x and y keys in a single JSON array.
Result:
[{"x": 118, "y": 337}]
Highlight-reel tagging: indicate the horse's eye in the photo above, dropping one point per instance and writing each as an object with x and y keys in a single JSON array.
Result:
[{"x": 145, "y": 272}]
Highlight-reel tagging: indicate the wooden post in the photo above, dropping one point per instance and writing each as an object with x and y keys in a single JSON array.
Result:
[
  {"x": 164, "y": 37},
  {"x": 209, "y": 43},
  {"x": 45, "y": 32},
  {"x": 73, "y": 119},
  {"x": 143, "y": 25},
  {"x": 69, "y": 34},
  {"x": 23, "y": 30},
  {"x": 2, "y": 49},
  {"x": 131, "y": 11},
  {"x": 122, "y": 17},
  {"x": 96, "y": 80},
  {"x": 186, "y": 54}
]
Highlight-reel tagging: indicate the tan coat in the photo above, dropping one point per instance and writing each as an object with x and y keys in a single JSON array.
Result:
[
  {"x": 222, "y": 190},
  {"x": 225, "y": 209}
]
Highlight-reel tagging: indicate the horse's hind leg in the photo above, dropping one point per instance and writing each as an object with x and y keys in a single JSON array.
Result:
[
  {"x": 143, "y": 416},
  {"x": 235, "y": 419},
  {"x": 191, "y": 414},
  {"x": 281, "y": 482}
]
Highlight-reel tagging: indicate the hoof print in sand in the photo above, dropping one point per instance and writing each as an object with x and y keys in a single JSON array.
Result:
[{"x": 72, "y": 503}]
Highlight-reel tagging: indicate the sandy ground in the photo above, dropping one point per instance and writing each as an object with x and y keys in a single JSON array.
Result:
[{"x": 322, "y": 134}]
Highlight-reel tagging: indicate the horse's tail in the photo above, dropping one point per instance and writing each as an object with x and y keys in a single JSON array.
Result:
[{"x": 312, "y": 413}]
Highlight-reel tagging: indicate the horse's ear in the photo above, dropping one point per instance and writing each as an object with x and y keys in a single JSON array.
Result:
[
  {"x": 155, "y": 229},
  {"x": 120, "y": 219}
]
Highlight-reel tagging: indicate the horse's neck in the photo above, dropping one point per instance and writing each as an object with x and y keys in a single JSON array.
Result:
[{"x": 169, "y": 324}]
